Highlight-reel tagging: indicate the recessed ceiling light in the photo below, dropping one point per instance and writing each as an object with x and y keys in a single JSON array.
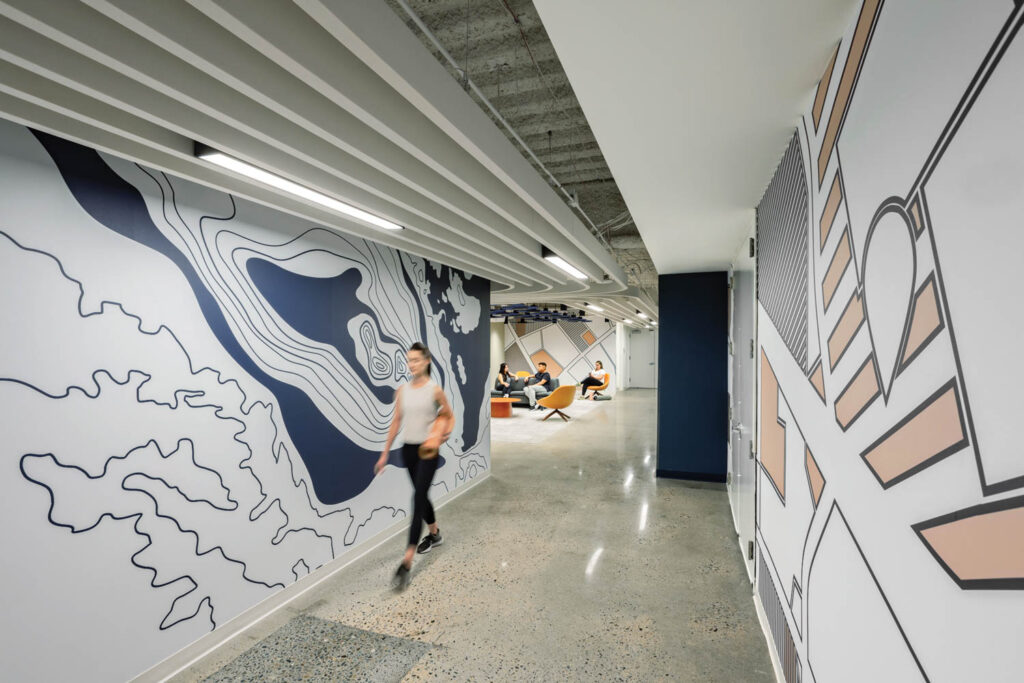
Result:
[{"x": 267, "y": 178}]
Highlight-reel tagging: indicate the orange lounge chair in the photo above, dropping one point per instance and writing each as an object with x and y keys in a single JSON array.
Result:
[
  {"x": 597, "y": 390},
  {"x": 559, "y": 398}
]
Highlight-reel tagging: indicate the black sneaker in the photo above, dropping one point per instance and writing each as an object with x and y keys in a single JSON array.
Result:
[
  {"x": 429, "y": 542},
  {"x": 401, "y": 578}
]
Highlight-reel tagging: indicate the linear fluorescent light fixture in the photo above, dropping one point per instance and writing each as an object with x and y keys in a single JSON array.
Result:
[
  {"x": 593, "y": 307},
  {"x": 267, "y": 178},
  {"x": 561, "y": 263},
  {"x": 642, "y": 315}
]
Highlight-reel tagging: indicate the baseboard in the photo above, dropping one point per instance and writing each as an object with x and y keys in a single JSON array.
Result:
[
  {"x": 762, "y": 618},
  {"x": 691, "y": 476},
  {"x": 183, "y": 659},
  {"x": 743, "y": 556}
]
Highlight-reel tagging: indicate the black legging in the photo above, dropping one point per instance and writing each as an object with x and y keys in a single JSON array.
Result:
[
  {"x": 589, "y": 382},
  {"x": 422, "y": 473}
]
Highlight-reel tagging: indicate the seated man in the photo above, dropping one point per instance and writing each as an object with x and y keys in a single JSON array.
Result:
[{"x": 538, "y": 386}]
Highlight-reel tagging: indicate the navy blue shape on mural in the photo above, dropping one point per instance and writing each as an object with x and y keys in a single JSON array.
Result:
[
  {"x": 475, "y": 354},
  {"x": 319, "y": 308},
  {"x": 338, "y": 468}
]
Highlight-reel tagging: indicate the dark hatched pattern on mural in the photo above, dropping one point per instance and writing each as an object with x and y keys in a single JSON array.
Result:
[
  {"x": 575, "y": 330},
  {"x": 782, "y": 636},
  {"x": 782, "y": 230}
]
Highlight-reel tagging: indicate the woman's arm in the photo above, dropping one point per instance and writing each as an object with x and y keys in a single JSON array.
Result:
[
  {"x": 445, "y": 420},
  {"x": 396, "y": 423}
]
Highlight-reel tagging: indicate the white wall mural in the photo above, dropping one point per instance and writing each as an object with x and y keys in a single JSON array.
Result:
[
  {"x": 570, "y": 348},
  {"x": 194, "y": 390},
  {"x": 890, "y": 515}
]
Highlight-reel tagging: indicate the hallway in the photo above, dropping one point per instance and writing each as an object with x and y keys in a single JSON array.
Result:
[{"x": 571, "y": 562}]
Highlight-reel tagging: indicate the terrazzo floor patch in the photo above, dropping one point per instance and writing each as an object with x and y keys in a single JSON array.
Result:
[{"x": 308, "y": 648}]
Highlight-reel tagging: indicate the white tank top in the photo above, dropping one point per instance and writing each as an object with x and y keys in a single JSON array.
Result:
[{"x": 419, "y": 410}]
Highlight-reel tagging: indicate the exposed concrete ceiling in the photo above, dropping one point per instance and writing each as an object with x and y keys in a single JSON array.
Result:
[
  {"x": 692, "y": 104},
  {"x": 336, "y": 95},
  {"x": 503, "y": 48}
]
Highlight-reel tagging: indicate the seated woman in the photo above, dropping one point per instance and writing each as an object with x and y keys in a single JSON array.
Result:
[
  {"x": 504, "y": 381},
  {"x": 597, "y": 378}
]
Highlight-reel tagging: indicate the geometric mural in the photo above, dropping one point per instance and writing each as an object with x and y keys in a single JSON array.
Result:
[
  {"x": 905, "y": 432},
  {"x": 570, "y": 349},
  {"x": 194, "y": 390}
]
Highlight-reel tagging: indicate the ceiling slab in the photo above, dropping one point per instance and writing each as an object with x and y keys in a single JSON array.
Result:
[{"x": 692, "y": 104}]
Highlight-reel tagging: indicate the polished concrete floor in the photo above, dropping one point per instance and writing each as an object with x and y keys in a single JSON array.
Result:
[{"x": 571, "y": 562}]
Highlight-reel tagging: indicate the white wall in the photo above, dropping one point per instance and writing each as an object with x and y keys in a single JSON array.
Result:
[
  {"x": 622, "y": 347},
  {"x": 496, "y": 337}
]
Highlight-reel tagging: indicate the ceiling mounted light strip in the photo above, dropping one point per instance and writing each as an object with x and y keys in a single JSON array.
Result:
[
  {"x": 557, "y": 261},
  {"x": 267, "y": 178}
]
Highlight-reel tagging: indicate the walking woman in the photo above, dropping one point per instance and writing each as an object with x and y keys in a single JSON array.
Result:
[
  {"x": 596, "y": 379},
  {"x": 426, "y": 420}
]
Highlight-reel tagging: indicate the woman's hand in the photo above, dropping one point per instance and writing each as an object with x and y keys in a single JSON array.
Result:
[{"x": 382, "y": 461}]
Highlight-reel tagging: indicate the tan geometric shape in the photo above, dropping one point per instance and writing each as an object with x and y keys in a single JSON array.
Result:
[
  {"x": 848, "y": 325},
  {"x": 926, "y": 320},
  {"x": 773, "y": 434},
  {"x": 836, "y": 268},
  {"x": 814, "y": 478},
  {"x": 858, "y": 46},
  {"x": 929, "y": 433},
  {"x": 823, "y": 83},
  {"x": 589, "y": 337},
  {"x": 828, "y": 216},
  {"x": 542, "y": 356},
  {"x": 857, "y": 395},
  {"x": 818, "y": 381},
  {"x": 980, "y": 547},
  {"x": 915, "y": 217}
]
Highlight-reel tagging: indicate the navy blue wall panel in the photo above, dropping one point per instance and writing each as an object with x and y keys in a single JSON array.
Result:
[{"x": 693, "y": 375}]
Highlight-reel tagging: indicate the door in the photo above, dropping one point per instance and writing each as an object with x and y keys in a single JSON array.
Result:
[
  {"x": 742, "y": 399},
  {"x": 643, "y": 359}
]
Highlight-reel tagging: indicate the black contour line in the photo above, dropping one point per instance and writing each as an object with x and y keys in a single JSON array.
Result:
[
  {"x": 931, "y": 335},
  {"x": 857, "y": 294},
  {"x": 102, "y": 308},
  {"x": 842, "y": 274},
  {"x": 835, "y": 508},
  {"x": 890, "y": 205},
  {"x": 989, "y": 63},
  {"x": 863, "y": 408}
]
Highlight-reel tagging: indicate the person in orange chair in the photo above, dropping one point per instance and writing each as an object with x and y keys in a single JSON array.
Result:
[
  {"x": 538, "y": 385},
  {"x": 426, "y": 420},
  {"x": 597, "y": 378}
]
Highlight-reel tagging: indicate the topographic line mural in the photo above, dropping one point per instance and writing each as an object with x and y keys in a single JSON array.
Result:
[{"x": 194, "y": 391}]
